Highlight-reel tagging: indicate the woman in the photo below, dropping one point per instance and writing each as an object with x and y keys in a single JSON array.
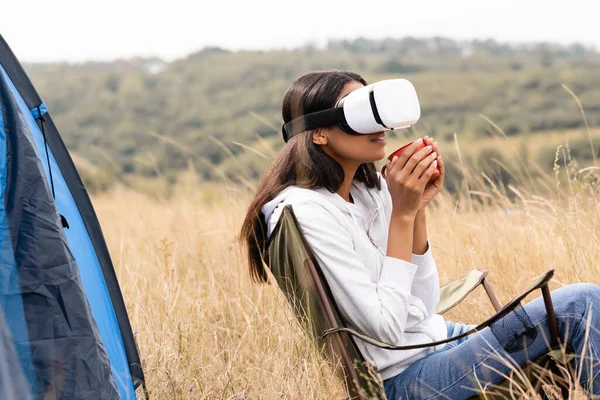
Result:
[{"x": 369, "y": 236}]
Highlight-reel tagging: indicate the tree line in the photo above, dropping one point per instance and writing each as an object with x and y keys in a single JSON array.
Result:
[{"x": 137, "y": 119}]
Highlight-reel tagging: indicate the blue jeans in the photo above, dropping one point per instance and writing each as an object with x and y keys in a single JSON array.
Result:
[{"x": 459, "y": 370}]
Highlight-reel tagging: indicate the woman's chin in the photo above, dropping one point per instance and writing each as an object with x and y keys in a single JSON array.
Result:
[
  {"x": 374, "y": 159},
  {"x": 370, "y": 156}
]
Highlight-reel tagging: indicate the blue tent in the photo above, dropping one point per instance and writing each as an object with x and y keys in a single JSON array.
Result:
[
  {"x": 60, "y": 301},
  {"x": 13, "y": 384}
]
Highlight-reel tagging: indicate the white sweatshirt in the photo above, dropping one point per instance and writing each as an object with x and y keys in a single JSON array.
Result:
[{"x": 386, "y": 298}]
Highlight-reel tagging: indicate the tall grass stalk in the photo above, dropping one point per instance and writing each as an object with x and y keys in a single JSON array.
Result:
[{"x": 205, "y": 331}]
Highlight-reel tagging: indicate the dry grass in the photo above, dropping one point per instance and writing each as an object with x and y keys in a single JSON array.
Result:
[{"x": 205, "y": 331}]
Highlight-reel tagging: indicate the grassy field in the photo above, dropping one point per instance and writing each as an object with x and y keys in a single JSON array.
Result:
[{"x": 205, "y": 331}]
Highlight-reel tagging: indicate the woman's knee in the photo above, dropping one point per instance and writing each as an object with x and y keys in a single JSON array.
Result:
[
  {"x": 578, "y": 296},
  {"x": 585, "y": 290}
]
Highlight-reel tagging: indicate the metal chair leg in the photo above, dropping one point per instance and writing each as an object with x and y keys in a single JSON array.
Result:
[
  {"x": 554, "y": 336},
  {"x": 491, "y": 295},
  {"x": 552, "y": 324}
]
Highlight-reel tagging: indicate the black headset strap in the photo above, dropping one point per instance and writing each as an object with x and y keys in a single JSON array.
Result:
[{"x": 319, "y": 119}]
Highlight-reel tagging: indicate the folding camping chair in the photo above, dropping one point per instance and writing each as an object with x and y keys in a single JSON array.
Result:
[{"x": 299, "y": 276}]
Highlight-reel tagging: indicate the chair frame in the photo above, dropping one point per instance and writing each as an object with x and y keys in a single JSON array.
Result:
[{"x": 335, "y": 331}]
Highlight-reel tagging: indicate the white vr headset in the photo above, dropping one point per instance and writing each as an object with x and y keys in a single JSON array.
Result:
[{"x": 380, "y": 106}]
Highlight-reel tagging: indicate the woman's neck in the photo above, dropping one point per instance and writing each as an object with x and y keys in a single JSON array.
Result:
[
  {"x": 344, "y": 190},
  {"x": 350, "y": 168}
]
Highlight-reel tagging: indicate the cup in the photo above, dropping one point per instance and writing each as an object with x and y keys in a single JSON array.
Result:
[{"x": 435, "y": 175}]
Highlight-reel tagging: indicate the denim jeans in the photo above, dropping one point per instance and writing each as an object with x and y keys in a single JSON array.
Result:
[{"x": 461, "y": 368}]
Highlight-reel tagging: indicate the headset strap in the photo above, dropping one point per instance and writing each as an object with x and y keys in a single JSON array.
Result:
[{"x": 319, "y": 119}]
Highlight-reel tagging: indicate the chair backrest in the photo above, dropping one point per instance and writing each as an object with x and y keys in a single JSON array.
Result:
[{"x": 299, "y": 276}]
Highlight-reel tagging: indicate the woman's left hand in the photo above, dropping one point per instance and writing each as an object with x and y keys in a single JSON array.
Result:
[{"x": 434, "y": 187}]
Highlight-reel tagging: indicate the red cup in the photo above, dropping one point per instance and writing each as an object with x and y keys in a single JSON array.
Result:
[{"x": 436, "y": 173}]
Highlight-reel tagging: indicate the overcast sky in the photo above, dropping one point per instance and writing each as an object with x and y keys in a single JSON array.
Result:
[{"x": 77, "y": 30}]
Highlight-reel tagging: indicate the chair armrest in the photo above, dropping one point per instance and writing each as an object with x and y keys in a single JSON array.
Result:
[
  {"x": 540, "y": 283},
  {"x": 454, "y": 292}
]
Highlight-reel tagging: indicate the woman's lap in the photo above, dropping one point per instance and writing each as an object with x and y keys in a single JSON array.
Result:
[{"x": 460, "y": 369}]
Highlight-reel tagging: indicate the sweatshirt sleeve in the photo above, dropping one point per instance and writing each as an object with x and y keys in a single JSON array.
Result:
[
  {"x": 426, "y": 284},
  {"x": 381, "y": 309}
]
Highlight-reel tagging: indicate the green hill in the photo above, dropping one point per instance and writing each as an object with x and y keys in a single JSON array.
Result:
[{"x": 145, "y": 118}]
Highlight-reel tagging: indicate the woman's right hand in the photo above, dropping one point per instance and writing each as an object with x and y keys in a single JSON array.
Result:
[{"x": 407, "y": 176}]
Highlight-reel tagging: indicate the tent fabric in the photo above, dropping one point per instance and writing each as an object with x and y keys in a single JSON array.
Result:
[
  {"x": 61, "y": 341},
  {"x": 58, "y": 288},
  {"x": 13, "y": 384}
]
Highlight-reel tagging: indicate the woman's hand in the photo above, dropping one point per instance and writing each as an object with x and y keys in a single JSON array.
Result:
[
  {"x": 407, "y": 176},
  {"x": 433, "y": 188}
]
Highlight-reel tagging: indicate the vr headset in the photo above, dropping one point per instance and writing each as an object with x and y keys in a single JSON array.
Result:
[{"x": 380, "y": 106}]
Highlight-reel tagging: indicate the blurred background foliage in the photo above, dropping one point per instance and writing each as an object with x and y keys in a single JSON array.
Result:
[{"x": 215, "y": 115}]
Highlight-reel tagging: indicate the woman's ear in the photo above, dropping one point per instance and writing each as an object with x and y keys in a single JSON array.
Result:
[{"x": 319, "y": 137}]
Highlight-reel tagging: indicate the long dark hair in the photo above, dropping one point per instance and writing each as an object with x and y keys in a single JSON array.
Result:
[{"x": 300, "y": 162}]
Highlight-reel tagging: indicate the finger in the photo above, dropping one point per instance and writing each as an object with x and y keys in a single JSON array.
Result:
[
  {"x": 429, "y": 172},
  {"x": 410, "y": 150},
  {"x": 436, "y": 147},
  {"x": 441, "y": 167},
  {"x": 387, "y": 169},
  {"x": 417, "y": 158},
  {"x": 438, "y": 181},
  {"x": 424, "y": 164},
  {"x": 427, "y": 140}
]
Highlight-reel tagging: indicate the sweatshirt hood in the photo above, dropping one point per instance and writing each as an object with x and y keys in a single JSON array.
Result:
[
  {"x": 319, "y": 195},
  {"x": 270, "y": 206}
]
